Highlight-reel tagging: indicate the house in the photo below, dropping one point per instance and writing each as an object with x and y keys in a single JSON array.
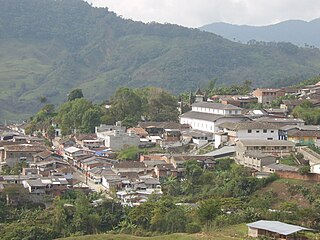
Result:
[
  {"x": 247, "y": 130},
  {"x": 239, "y": 101},
  {"x": 256, "y": 160},
  {"x": 136, "y": 197},
  {"x": 266, "y": 96},
  {"x": 303, "y": 135},
  {"x": 158, "y": 128},
  {"x": 139, "y": 132},
  {"x": 275, "y": 230},
  {"x": 17, "y": 179},
  {"x": 72, "y": 152},
  {"x": 205, "y": 116},
  {"x": 164, "y": 170},
  {"x": 97, "y": 173},
  {"x": 65, "y": 172},
  {"x": 290, "y": 104},
  {"x": 111, "y": 181},
  {"x": 105, "y": 129},
  {"x": 120, "y": 140},
  {"x": 197, "y": 137},
  {"x": 22, "y": 152},
  {"x": 45, "y": 185},
  {"x": 171, "y": 135},
  {"x": 88, "y": 141},
  {"x": 274, "y": 147},
  {"x": 45, "y": 155},
  {"x": 276, "y": 112}
]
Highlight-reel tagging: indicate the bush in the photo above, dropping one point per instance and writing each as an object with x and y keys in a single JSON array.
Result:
[
  {"x": 304, "y": 170},
  {"x": 193, "y": 228}
]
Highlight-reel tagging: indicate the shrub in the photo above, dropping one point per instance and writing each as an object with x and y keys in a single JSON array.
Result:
[{"x": 193, "y": 228}]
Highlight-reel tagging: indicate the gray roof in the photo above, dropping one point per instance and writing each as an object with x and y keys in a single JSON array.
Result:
[
  {"x": 277, "y": 227},
  {"x": 279, "y": 120},
  {"x": 197, "y": 133},
  {"x": 227, "y": 150},
  {"x": 248, "y": 125},
  {"x": 282, "y": 167},
  {"x": 208, "y": 116},
  {"x": 304, "y": 127},
  {"x": 216, "y": 106},
  {"x": 260, "y": 142}
]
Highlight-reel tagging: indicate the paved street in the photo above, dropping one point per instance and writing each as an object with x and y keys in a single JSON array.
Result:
[{"x": 79, "y": 176}]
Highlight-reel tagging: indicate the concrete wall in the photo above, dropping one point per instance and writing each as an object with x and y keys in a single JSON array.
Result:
[
  {"x": 118, "y": 141},
  {"x": 270, "y": 134}
]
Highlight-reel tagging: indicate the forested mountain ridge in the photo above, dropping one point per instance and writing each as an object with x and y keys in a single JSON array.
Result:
[
  {"x": 298, "y": 32},
  {"x": 48, "y": 47}
]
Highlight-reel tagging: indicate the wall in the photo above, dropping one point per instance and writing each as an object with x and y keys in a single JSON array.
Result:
[
  {"x": 259, "y": 134},
  {"x": 202, "y": 125},
  {"x": 295, "y": 175},
  {"x": 119, "y": 141}
]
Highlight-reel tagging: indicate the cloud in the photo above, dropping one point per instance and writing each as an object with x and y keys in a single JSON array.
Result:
[{"x": 195, "y": 13}]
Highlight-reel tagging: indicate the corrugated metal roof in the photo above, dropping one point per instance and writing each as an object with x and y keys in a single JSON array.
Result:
[{"x": 277, "y": 227}]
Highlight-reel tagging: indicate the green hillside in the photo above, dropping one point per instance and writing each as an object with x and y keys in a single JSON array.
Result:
[{"x": 49, "y": 47}]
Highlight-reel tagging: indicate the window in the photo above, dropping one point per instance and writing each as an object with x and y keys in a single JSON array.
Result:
[
  {"x": 272, "y": 131},
  {"x": 269, "y": 138},
  {"x": 265, "y": 131},
  {"x": 249, "y": 131},
  {"x": 257, "y": 131}
]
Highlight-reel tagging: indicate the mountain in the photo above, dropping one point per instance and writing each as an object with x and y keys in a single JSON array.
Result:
[
  {"x": 298, "y": 32},
  {"x": 48, "y": 47}
]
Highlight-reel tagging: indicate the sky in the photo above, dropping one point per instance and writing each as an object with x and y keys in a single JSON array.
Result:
[{"x": 196, "y": 13}]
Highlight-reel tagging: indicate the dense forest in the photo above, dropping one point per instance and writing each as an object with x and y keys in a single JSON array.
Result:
[{"x": 50, "y": 47}]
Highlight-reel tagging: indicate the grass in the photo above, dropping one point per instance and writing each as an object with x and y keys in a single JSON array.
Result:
[
  {"x": 228, "y": 233},
  {"x": 289, "y": 161}
]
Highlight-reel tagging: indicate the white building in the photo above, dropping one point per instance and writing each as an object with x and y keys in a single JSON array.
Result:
[
  {"x": 205, "y": 116},
  {"x": 119, "y": 140},
  {"x": 246, "y": 130}
]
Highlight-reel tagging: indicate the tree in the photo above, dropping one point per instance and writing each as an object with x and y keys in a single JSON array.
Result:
[
  {"x": 208, "y": 210},
  {"x": 126, "y": 104},
  {"x": 162, "y": 106},
  {"x": 90, "y": 119},
  {"x": 51, "y": 133},
  {"x": 70, "y": 115},
  {"x": 74, "y": 94}
]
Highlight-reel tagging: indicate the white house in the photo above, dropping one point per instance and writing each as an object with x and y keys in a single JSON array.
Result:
[
  {"x": 205, "y": 116},
  {"x": 247, "y": 130}
]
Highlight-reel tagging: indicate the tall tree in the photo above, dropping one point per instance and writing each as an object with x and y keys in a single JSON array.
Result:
[
  {"x": 90, "y": 119},
  {"x": 126, "y": 106},
  {"x": 162, "y": 106}
]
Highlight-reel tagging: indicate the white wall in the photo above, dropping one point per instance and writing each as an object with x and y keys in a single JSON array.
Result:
[
  {"x": 315, "y": 168},
  {"x": 271, "y": 134},
  {"x": 202, "y": 125}
]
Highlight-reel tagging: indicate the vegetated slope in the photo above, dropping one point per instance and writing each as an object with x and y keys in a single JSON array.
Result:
[
  {"x": 231, "y": 232},
  {"x": 298, "y": 32},
  {"x": 49, "y": 47}
]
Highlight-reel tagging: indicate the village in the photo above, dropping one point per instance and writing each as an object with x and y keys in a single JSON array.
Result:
[{"x": 266, "y": 141}]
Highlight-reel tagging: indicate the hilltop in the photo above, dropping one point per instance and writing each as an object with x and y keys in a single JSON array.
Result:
[
  {"x": 298, "y": 32},
  {"x": 49, "y": 47}
]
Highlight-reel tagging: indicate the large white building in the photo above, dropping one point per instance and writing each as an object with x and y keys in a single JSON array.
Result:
[{"x": 206, "y": 116}]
